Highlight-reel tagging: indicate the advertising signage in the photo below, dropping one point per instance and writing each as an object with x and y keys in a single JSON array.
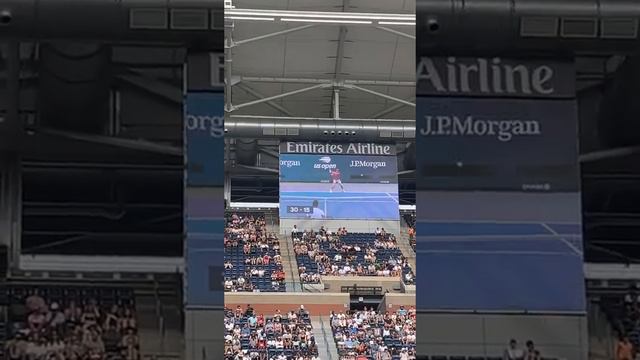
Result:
[
  {"x": 497, "y": 144},
  {"x": 494, "y": 77},
  {"x": 204, "y": 138}
]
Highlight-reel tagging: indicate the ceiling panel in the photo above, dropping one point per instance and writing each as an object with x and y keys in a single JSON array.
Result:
[{"x": 369, "y": 54}]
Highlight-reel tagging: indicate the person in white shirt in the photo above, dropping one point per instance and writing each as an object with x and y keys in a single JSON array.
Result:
[
  {"x": 317, "y": 213},
  {"x": 513, "y": 352},
  {"x": 295, "y": 231}
]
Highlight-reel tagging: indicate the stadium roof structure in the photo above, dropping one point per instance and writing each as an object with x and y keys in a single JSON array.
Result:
[
  {"x": 303, "y": 63},
  {"x": 340, "y": 60}
]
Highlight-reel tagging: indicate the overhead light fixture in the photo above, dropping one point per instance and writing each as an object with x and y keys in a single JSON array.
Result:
[
  {"x": 331, "y": 21},
  {"x": 251, "y": 18},
  {"x": 396, "y": 23},
  {"x": 323, "y": 15}
]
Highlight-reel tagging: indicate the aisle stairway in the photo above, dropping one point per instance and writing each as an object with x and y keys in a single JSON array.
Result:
[
  {"x": 159, "y": 314},
  {"x": 290, "y": 264},
  {"x": 324, "y": 338},
  {"x": 405, "y": 247}
]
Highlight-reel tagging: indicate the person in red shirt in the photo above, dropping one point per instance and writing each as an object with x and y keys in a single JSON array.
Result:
[{"x": 336, "y": 179}]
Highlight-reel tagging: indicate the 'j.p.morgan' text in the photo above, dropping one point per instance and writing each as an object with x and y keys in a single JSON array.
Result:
[
  {"x": 214, "y": 125},
  {"x": 369, "y": 164},
  {"x": 503, "y": 130},
  {"x": 485, "y": 76}
]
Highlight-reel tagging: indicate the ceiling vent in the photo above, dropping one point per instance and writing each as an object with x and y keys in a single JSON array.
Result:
[
  {"x": 190, "y": 19},
  {"x": 619, "y": 28},
  {"x": 579, "y": 28},
  {"x": 146, "y": 19},
  {"x": 539, "y": 27}
]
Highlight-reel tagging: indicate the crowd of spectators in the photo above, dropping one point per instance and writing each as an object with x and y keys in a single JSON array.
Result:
[
  {"x": 362, "y": 335},
  {"x": 73, "y": 330},
  {"x": 281, "y": 336},
  {"x": 515, "y": 352},
  {"x": 252, "y": 255},
  {"x": 340, "y": 253}
]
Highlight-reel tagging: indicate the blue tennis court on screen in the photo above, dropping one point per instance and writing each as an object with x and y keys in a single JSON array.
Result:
[
  {"x": 339, "y": 205},
  {"x": 486, "y": 266}
]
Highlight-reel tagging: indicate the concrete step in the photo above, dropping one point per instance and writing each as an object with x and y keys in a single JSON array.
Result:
[
  {"x": 290, "y": 264},
  {"x": 324, "y": 338}
]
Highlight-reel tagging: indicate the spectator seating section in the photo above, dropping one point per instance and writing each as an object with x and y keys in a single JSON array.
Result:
[
  {"x": 475, "y": 357},
  {"x": 236, "y": 257},
  {"x": 623, "y": 315},
  {"x": 105, "y": 299},
  {"x": 361, "y": 239},
  {"x": 394, "y": 342},
  {"x": 309, "y": 351}
]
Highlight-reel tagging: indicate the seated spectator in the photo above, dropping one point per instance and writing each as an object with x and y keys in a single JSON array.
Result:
[
  {"x": 624, "y": 349},
  {"x": 531, "y": 353},
  {"x": 513, "y": 352}
]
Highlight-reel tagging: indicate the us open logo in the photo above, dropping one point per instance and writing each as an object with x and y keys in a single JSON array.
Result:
[{"x": 324, "y": 163}]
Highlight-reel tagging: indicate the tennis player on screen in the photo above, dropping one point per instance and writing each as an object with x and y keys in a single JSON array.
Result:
[
  {"x": 335, "y": 179},
  {"x": 317, "y": 212}
]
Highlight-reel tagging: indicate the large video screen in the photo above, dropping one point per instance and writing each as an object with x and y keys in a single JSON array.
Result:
[{"x": 338, "y": 181}]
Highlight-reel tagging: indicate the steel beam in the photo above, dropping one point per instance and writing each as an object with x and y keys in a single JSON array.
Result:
[
  {"x": 268, "y": 36},
  {"x": 280, "y": 96},
  {"x": 259, "y": 95},
  {"x": 336, "y": 104},
  {"x": 379, "y": 94},
  {"x": 389, "y": 110},
  {"x": 396, "y": 32},
  {"x": 284, "y": 80}
]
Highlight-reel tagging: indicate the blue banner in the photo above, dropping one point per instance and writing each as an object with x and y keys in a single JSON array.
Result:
[
  {"x": 204, "y": 199},
  {"x": 498, "y": 205},
  {"x": 497, "y": 144},
  {"x": 204, "y": 139}
]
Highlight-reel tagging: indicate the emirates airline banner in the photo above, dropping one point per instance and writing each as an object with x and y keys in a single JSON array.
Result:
[
  {"x": 495, "y": 77},
  {"x": 498, "y": 203}
]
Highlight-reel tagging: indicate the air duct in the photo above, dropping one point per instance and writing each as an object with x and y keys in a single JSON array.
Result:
[
  {"x": 559, "y": 26},
  {"x": 321, "y": 129},
  {"x": 190, "y": 21},
  {"x": 247, "y": 152}
]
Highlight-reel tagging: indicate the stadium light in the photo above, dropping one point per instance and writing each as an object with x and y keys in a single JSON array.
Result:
[
  {"x": 326, "y": 21},
  {"x": 396, "y": 23},
  {"x": 251, "y": 18},
  {"x": 322, "y": 17}
]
